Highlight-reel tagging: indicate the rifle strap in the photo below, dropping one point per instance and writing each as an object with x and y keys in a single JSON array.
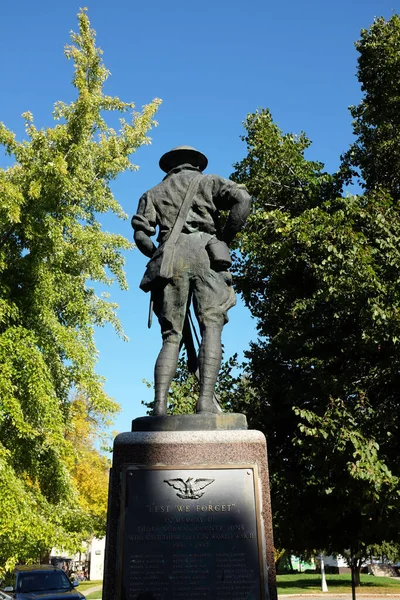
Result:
[
  {"x": 183, "y": 212},
  {"x": 168, "y": 248}
]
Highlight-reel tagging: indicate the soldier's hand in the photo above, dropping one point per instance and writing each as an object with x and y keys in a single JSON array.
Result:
[{"x": 144, "y": 243}]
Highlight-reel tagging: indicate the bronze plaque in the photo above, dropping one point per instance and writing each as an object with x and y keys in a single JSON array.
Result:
[{"x": 190, "y": 533}]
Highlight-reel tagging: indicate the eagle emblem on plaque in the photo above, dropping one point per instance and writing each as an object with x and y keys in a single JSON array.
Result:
[{"x": 191, "y": 489}]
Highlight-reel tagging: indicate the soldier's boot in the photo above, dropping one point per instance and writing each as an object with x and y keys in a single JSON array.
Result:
[
  {"x": 164, "y": 372},
  {"x": 210, "y": 356}
]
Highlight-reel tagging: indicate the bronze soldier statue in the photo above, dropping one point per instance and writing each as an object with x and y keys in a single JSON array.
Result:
[{"x": 190, "y": 264}]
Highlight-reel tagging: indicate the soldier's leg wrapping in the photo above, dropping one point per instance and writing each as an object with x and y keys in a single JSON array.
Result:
[
  {"x": 170, "y": 307},
  {"x": 213, "y": 296},
  {"x": 210, "y": 356},
  {"x": 164, "y": 372}
]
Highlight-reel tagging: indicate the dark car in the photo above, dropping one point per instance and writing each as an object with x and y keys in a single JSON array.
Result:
[{"x": 43, "y": 582}]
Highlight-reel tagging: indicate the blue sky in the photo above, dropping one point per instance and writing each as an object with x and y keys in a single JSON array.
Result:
[{"x": 211, "y": 63}]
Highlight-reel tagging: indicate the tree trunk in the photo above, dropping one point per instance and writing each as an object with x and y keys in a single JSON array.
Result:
[
  {"x": 355, "y": 563},
  {"x": 290, "y": 562},
  {"x": 324, "y": 586},
  {"x": 45, "y": 557},
  {"x": 357, "y": 571}
]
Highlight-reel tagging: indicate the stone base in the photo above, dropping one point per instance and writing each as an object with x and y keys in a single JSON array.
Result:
[
  {"x": 201, "y": 422},
  {"x": 146, "y": 528}
]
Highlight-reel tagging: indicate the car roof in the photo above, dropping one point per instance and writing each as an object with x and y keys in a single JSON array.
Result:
[{"x": 36, "y": 568}]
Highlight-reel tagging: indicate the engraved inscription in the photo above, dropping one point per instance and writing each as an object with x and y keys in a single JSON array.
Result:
[
  {"x": 190, "y": 574},
  {"x": 145, "y": 570},
  {"x": 233, "y": 577},
  {"x": 190, "y": 548}
]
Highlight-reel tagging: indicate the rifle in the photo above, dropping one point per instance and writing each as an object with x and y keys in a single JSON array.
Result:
[{"x": 192, "y": 358}]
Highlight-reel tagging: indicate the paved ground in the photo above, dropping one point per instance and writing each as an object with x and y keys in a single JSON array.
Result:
[
  {"x": 327, "y": 595},
  {"x": 90, "y": 590},
  {"x": 333, "y": 596}
]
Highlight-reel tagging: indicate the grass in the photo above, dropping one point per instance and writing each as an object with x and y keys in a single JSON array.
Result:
[
  {"x": 306, "y": 583},
  {"x": 84, "y": 585},
  {"x": 310, "y": 583},
  {"x": 94, "y": 596}
]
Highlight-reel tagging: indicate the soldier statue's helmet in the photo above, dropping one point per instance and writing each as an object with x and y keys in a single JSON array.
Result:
[{"x": 181, "y": 155}]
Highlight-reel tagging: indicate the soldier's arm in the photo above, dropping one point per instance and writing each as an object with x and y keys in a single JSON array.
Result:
[
  {"x": 144, "y": 243},
  {"x": 144, "y": 224},
  {"x": 236, "y": 199}
]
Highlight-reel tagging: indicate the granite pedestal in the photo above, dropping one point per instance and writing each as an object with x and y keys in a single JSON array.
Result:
[{"x": 189, "y": 513}]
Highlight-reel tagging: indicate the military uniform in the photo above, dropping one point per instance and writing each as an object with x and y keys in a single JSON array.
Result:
[{"x": 194, "y": 278}]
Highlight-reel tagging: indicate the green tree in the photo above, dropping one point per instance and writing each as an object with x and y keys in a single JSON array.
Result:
[
  {"x": 87, "y": 464},
  {"x": 52, "y": 250},
  {"x": 387, "y": 552},
  {"x": 375, "y": 155},
  {"x": 319, "y": 271}
]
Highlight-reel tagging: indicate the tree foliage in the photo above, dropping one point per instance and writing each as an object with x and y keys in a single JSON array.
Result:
[
  {"x": 319, "y": 271},
  {"x": 87, "y": 463},
  {"x": 52, "y": 251},
  {"x": 375, "y": 155},
  {"x": 386, "y": 552}
]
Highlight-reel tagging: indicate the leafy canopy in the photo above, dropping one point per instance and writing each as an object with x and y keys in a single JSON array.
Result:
[
  {"x": 319, "y": 271},
  {"x": 375, "y": 156},
  {"x": 52, "y": 251}
]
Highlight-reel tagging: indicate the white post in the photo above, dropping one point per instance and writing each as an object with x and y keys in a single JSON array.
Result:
[{"x": 324, "y": 587}]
